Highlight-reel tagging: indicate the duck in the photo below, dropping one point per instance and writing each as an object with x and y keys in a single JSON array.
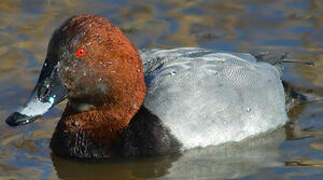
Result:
[{"x": 123, "y": 102}]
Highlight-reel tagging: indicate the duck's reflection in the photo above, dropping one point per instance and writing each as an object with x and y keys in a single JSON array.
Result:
[
  {"x": 230, "y": 161},
  {"x": 227, "y": 161},
  {"x": 113, "y": 169}
]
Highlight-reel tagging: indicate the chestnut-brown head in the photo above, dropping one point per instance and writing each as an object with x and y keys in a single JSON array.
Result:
[{"x": 97, "y": 63}]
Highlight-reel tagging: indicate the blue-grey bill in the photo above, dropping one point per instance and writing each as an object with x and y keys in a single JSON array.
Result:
[{"x": 47, "y": 92}]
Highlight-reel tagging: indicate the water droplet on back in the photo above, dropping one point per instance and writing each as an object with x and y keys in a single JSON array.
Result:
[{"x": 51, "y": 100}]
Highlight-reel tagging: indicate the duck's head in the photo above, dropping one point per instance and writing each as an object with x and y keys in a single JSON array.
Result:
[{"x": 90, "y": 62}]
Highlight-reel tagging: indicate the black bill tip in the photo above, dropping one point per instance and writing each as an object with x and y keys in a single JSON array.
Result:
[{"x": 17, "y": 119}]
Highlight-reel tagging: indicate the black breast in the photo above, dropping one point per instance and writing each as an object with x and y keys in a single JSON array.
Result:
[{"x": 146, "y": 136}]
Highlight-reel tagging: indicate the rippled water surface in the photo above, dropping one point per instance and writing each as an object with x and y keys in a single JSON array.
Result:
[{"x": 296, "y": 26}]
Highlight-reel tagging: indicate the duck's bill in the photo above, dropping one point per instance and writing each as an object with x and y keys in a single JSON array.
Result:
[{"x": 48, "y": 92}]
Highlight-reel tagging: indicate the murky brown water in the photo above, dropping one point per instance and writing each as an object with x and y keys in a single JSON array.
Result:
[{"x": 295, "y": 26}]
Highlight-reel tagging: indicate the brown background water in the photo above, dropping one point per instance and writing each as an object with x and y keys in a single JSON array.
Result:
[{"x": 296, "y": 26}]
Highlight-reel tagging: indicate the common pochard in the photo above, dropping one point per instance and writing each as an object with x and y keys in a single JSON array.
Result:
[{"x": 123, "y": 103}]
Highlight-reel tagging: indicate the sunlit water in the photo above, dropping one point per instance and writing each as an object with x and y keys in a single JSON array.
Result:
[{"x": 295, "y": 26}]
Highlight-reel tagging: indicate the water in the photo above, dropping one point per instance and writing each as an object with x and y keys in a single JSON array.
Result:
[{"x": 296, "y": 26}]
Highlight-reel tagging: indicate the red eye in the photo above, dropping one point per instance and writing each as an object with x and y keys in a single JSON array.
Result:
[{"x": 80, "y": 52}]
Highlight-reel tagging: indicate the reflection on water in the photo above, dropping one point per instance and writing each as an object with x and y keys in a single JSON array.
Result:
[
  {"x": 230, "y": 161},
  {"x": 226, "y": 161},
  {"x": 293, "y": 26},
  {"x": 114, "y": 169}
]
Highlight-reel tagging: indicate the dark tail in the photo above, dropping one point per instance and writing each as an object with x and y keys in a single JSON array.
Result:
[
  {"x": 294, "y": 95},
  {"x": 297, "y": 95}
]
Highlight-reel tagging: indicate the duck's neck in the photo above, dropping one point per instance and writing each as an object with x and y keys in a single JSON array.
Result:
[{"x": 93, "y": 133}]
